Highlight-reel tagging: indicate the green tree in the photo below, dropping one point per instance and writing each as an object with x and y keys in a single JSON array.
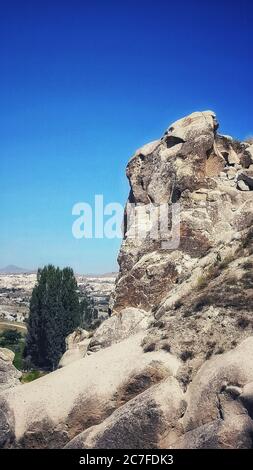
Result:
[
  {"x": 10, "y": 337},
  {"x": 54, "y": 313},
  {"x": 70, "y": 300},
  {"x": 87, "y": 311}
]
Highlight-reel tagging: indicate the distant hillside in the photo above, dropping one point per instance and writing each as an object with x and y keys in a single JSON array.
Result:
[
  {"x": 12, "y": 269},
  {"x": 112, "y": 274}
]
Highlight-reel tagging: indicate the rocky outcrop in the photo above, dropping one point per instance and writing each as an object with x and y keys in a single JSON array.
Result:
[
  {"x": 52, "y": 410},
  {"x": 148, "y": 421},
  {"x": 219, "y": 402},
  {"x": 118, "y": 327},
  {"x": 9, "y": 375},
  {"x": 215, "y": 412},
  {"x": 76, "y": 347},
  {"x": 200, "y": 293},
  {"x": 235, "y": 433},
  {"x": 194, "y": 166},
  {"x": 172, "y": 366},
  {"x": 221, "y": 381}
]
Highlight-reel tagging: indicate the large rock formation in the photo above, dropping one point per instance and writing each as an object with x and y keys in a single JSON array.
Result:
[
  {"x": 172, "y": 366},
  {"x": 193, "y": 165}
]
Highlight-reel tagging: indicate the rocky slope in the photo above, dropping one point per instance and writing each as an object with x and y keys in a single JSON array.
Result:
[{"x": 173, "y": 366}]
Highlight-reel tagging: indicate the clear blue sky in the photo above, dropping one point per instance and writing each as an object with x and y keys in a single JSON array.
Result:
[{"x": 85, "y": 83}]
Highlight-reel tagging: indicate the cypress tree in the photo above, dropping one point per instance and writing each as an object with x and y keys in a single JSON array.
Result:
[
  {"x": 70, "y": 301},
  {"x": 54, "y": 313}
]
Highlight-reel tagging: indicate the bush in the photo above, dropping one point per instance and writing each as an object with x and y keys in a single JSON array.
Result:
[
  {"x": 166, "y": 347},
  {"x": 243, "y": 322},
  {"x": 226, "y": 261},
  {"x": 214, "y": 271},
  {"x": 209, "y": 354},
  {"x": 31, "y": 375},
  {"x": 149, "y": 347},
  {"x": 201, "y": 302},
  {"x": 186, "y": 355},
  {"x": 18, "y": 359},
  {"x": 220, "y": 350},
  {"x": 237, "y": 146},
  {"x": 211, "y": 345},
  {"x": 178, "y": 304},
  {"x": 201, "y": 282},
  {"x": 247, "y": 265},
  {"x": 13, "y": 340},
  {"x": 248, "y": 241},
  {"x": 158, "y": 324},
  {"x": 10, "y": 337}
]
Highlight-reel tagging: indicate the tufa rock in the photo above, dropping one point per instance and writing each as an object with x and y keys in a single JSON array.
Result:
[
  {"x": 184, "y": 167},
  {"x": 172, "y": 366},
  {"x": 119, "y": 327},
  {"x": 148, "y": 421},
  {"x": 76, "y": 347},
  {"x": 52, "y": 410},
  {"x": 9, "y": 375}
]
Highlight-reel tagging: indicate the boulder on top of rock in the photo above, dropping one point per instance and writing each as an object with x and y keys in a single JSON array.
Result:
[
  {"x": 181, "y": 154},
  {"x": 191, "y": 126},
  {"x": 147, "y": 149}
]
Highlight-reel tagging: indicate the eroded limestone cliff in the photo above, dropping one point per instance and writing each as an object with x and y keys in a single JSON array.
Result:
[{"x": 173, "y": 366}]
